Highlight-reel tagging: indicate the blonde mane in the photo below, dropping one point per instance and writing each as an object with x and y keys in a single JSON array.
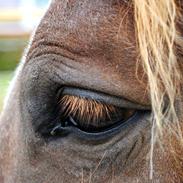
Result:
[{"x": 158, "y": 38}]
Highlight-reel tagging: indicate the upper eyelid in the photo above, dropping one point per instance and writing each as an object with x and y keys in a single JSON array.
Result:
[{"x": 103, "y": 98}]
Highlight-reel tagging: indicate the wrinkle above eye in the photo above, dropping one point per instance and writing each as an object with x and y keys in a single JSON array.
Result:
[{"x": 79, "y": 73}]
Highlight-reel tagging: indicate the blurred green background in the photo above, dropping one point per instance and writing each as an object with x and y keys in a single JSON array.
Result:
[
  {"x": 11, "y": 49},
  {"x": 17, "y": 20},
  {"x": 5, "y": 77}
]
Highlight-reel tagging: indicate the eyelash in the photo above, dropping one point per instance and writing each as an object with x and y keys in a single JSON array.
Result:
[
  {"x": 90, "y": 115},
  {"x": 86, "y": 109}
]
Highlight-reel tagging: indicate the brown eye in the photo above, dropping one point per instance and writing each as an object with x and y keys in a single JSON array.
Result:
[{"x": 90, "y": 115}]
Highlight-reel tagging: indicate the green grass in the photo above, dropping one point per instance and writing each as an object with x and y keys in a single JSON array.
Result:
[
  {"x": 5, "y": 78},
  {"x": 11, "y": 50}
]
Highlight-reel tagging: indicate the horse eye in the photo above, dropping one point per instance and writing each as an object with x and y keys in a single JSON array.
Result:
[{"x": 90, "y": 115}]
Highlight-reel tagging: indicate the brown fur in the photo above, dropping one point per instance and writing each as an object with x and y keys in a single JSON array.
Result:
[{"x": 91, "y": 45}]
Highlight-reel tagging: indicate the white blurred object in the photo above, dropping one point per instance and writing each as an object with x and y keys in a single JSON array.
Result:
[
  {"x": 31, "y": 14},
  {"x": 18, "y": 17}
]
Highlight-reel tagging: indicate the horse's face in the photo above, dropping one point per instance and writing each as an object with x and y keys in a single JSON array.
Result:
[{"x": 82, "y": 49}]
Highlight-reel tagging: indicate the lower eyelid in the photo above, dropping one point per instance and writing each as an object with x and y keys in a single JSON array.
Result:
[{"x": 107, "y": 134}]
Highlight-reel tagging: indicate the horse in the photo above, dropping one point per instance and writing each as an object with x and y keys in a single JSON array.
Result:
[{"x": 97, "y": 96}]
